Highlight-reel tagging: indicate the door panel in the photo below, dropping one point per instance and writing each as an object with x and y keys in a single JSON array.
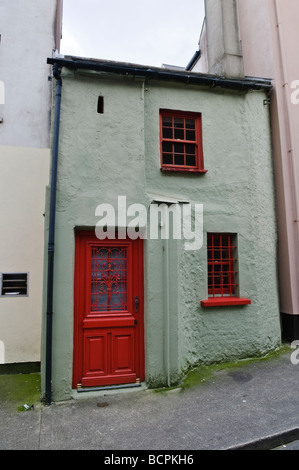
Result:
[
  {"x": 95, "y": 359},
  {"x": 123, "y": 352},
  {"x": 108, "y": 328}
]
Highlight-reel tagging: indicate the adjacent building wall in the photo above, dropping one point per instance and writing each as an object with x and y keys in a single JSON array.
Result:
[
  {"x": 256, "y": 38},
  {"x": 269, "y": 33},
  {"x": 27, "y": 31},
  {"x": 220, "y": 40},
  {"x": 201, "y": 65},
  {"x": 30, "y": 31},
  {"x": 24, "y": 175}
]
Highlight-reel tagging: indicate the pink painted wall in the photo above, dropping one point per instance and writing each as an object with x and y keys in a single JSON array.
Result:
[{"x": 269, "y": 34}]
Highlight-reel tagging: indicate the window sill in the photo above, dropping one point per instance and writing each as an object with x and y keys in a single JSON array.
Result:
[
  {"x": 183, "y": 170},
  {"x": 224, "y": 301}
]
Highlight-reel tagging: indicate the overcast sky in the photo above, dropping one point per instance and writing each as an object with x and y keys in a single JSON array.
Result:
[{"x": 147, "y": 32}]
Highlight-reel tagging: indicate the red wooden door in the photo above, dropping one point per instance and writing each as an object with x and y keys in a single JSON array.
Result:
[{"x": 108, "y": 311}]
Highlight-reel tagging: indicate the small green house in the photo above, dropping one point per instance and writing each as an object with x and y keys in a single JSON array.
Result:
[{"x": 161, "y": 224}]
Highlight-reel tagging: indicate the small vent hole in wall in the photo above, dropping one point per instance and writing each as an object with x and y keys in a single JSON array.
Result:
[{"x": 100, "y": 105}]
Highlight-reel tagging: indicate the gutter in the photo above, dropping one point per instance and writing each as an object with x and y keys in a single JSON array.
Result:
[
  {"x": 192, "y": 78},
  {"x": 48, "y": 386}
]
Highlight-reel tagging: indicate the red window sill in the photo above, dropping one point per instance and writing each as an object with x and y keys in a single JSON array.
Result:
[
  {"x": 180, "y": 169},
  {"x": 224, "y": 301}
]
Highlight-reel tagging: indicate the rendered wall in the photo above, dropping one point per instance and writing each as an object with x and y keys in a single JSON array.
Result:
[
  {"x": 27, "y": 39},
  {"x": 24, "y": 176},
  {"x": 202, "y": 66},
  {"x": 269, "y": 33},
  {"x": 221, "y": 52},
  {"x": 28, "y": 36},
  {"x": 237, "y": 196},
  {"x": 256, "y": 38},
  {"x": 117, "y": 153},
  {"x": 286, "y": 149}
]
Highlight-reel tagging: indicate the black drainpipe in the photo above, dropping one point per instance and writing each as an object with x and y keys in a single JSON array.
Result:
[{"x": 57, "y": 75}]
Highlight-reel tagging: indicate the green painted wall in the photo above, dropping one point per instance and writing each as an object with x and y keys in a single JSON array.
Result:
[{"x": 117, "y": 153}]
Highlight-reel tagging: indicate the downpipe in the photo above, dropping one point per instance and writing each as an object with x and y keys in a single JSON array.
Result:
[
  {"x": 166, "y": 309},
  {"x": 50, "y": 280}
]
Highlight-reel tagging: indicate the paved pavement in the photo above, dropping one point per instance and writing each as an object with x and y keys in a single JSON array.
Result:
[{"x": 255, "y": 406}]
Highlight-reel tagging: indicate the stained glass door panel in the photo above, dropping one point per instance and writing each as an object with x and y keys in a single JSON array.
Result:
[{"x": 108, "y": 279}]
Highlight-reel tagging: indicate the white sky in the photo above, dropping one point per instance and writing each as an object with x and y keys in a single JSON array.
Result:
[{"x": 149, "y": 32}]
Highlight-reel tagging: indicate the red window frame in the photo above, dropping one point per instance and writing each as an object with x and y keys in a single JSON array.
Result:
[
  {"x": 222, "y": 271},
  {"x": 181, "y": 141},
  {"x": 221, "y": 265}
]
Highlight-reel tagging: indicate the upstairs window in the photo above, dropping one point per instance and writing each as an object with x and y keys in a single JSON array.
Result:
[{"x": 181, "y": 141}]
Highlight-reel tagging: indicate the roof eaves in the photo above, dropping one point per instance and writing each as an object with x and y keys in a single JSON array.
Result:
[{"x": 187, "y": 77}]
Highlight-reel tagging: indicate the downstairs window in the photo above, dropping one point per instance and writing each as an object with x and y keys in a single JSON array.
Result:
[{"x": 222, "y": 271}]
